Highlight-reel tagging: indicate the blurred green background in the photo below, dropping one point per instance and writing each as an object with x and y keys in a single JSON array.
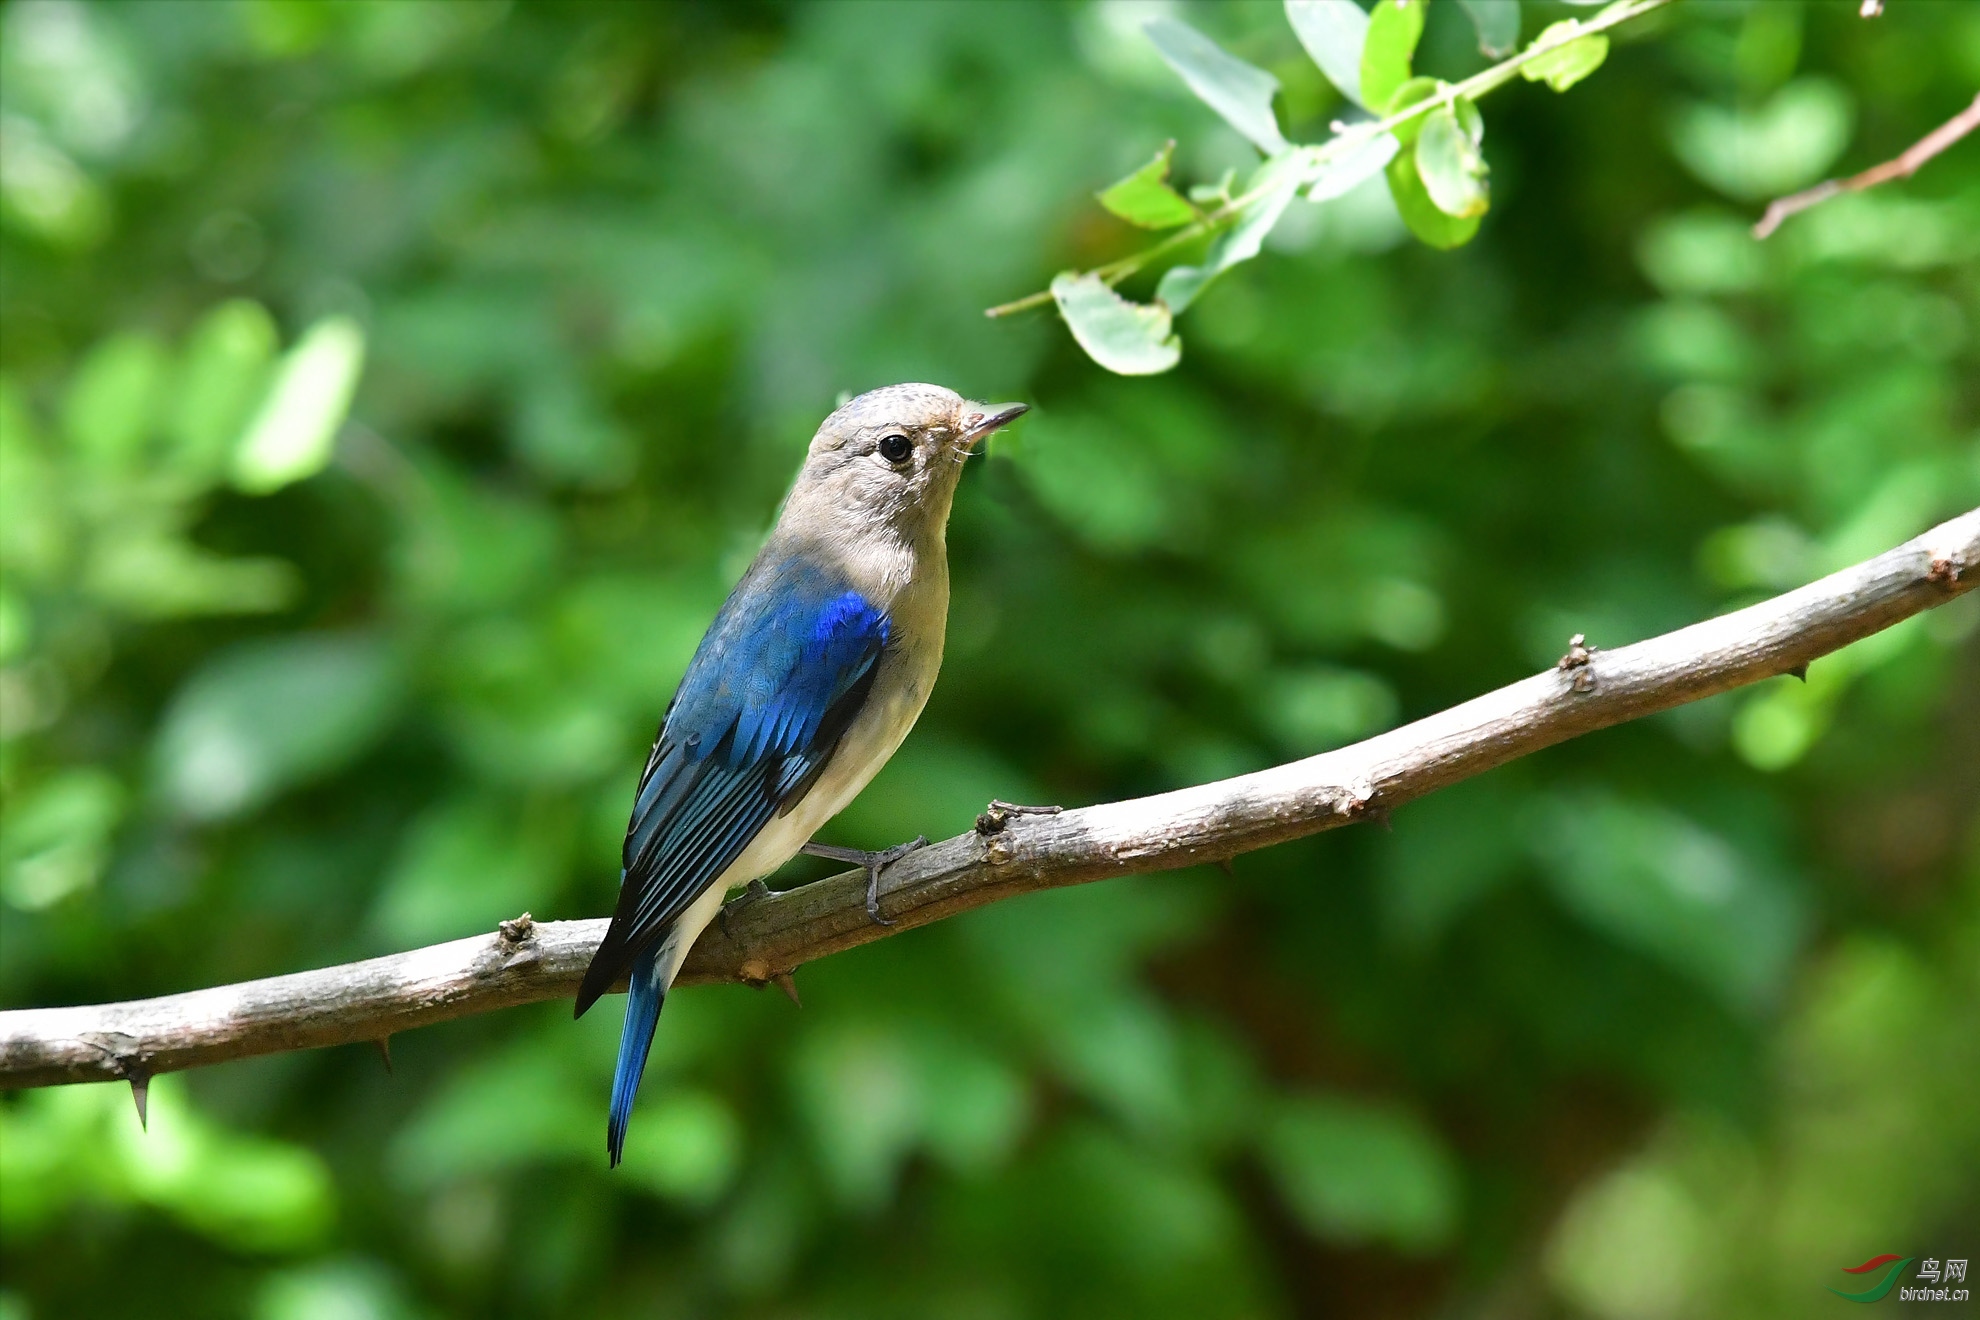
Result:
[{"x": 391, "y": 391}]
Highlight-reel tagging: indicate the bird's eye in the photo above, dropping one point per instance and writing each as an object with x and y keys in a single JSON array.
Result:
[{"x": 895, "y": 448}]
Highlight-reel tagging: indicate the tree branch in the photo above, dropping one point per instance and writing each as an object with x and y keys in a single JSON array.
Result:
[
  {"x": 1011, "y": 854},
  {"x": 1903, "y": 167}
]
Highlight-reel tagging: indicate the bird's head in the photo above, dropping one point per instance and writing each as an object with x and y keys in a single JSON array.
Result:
[{"x": 890, "y": 458}]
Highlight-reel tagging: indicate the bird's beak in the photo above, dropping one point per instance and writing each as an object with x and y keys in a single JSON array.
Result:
[{"x": 977, "y": 425}]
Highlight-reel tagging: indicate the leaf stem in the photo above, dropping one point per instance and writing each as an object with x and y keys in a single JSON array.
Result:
[{"x": 1320, "y": 154}]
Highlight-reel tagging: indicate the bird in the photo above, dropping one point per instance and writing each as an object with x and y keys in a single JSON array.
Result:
[{"x": 811, "y": 675}]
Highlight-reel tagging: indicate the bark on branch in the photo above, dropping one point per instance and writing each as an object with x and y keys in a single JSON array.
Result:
[{"x": 1010, "y": 854}]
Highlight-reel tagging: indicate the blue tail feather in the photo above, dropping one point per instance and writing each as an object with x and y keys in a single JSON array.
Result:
[{"x": 644, "y": 996}]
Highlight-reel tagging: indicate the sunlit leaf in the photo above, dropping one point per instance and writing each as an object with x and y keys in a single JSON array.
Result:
[
  {"x": 1450, "y": 162},
  {"x": 1129, "y": 338},
  {"x": 152, "y": 571},
  {"x": 34, "y": 527},
  {"x": 1393, "y": 29},
  {"x": 1413, "y": 203},
  {"x": 1752, "y": 153},
  {"x": 57, "y": 838},
  {"x": 1240, "y": 92},
  {"x": 1563, "y": 68},
  {"x": 1144, "y": 197},
  {"x": 262, "y": 716},
  {"x": 1333, "y": 32},
  {"x": 1282, "y": 180},
  {"x": 1353, "y": 167},
  {"x": 111, "y": 405},
  {"x": 292, "y": 435},
  {"x": 343, "y": 1289},
  {"x": 1497, "y": 22},
  {"x": 222, "y": 375}
]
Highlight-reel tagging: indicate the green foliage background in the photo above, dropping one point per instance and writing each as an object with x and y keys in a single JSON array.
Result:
[{"x": 1678, "y": 1020}]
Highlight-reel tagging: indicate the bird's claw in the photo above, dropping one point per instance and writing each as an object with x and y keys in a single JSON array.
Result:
[
  {"x": 873, "y": 863},
  {"x": 754, "y": 890}
]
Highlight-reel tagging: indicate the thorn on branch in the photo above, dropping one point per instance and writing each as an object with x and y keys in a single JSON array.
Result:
[
  {"x": 1800, "y": 671},
  {"x": 384, "y": 1044},
  {"x": 140, "y": 1081},
  {"x": 783, "y": 981}
]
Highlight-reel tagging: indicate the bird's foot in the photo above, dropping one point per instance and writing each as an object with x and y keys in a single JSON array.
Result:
[
  {"x": 873, "y": 863},
  {"x": 756, "y": 889}
]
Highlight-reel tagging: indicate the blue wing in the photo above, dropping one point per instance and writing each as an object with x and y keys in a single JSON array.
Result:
[{"x": 784, "y": 668}]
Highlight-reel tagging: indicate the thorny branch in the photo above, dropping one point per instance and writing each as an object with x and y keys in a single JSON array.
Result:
[
  {"x": 1011, "y": 851},
  {"x": 1903, "y": 167}
]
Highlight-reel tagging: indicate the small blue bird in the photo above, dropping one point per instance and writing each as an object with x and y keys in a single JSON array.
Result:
[{"x": 811, "y": 675}]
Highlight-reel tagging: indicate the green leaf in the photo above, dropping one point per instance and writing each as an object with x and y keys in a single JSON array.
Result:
[
  {"x": 1241, "y": 242},
  {"x": 223, "y": 374},
  {"x": 1419, "y": 212},
  {"x": 1334, "y": 33},
  {"x": 686, "y": 1147},
  {"x": 1347, "y": 171},
  {"x": 292, "y": 436},
  {"x": 263, "y": 716},
  {"x": 57, "y": 839},
  {"x": 111, "y": 404},
  {"x": 463, "y": 865},
  {"x": 1450, "y": 162},
  {"x": 1563, "y": 68},
  {"x": 1144, "y": 197},
  {"x": 1413, "y": 92},
  {"x": 1127, "y": 338},
  {"x": 1353, "y": 1172},
  {"x": 1393, "y": 28},
  {"x": 1239, "y": 92},
  {"x": 1497, "y": 22},
  {"x": 1755, "y": 152},
  {"x": 1660, "y": 882}
]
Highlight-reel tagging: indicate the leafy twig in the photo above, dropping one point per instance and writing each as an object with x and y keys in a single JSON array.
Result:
[
  {"x": 1313, "y": 157},
  {"x": 1903, "y": 167}
]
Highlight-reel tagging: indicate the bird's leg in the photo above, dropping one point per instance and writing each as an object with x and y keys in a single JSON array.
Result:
[
  {"x": 873, "y": 863},
  {"x": 756, "y": 889}
]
